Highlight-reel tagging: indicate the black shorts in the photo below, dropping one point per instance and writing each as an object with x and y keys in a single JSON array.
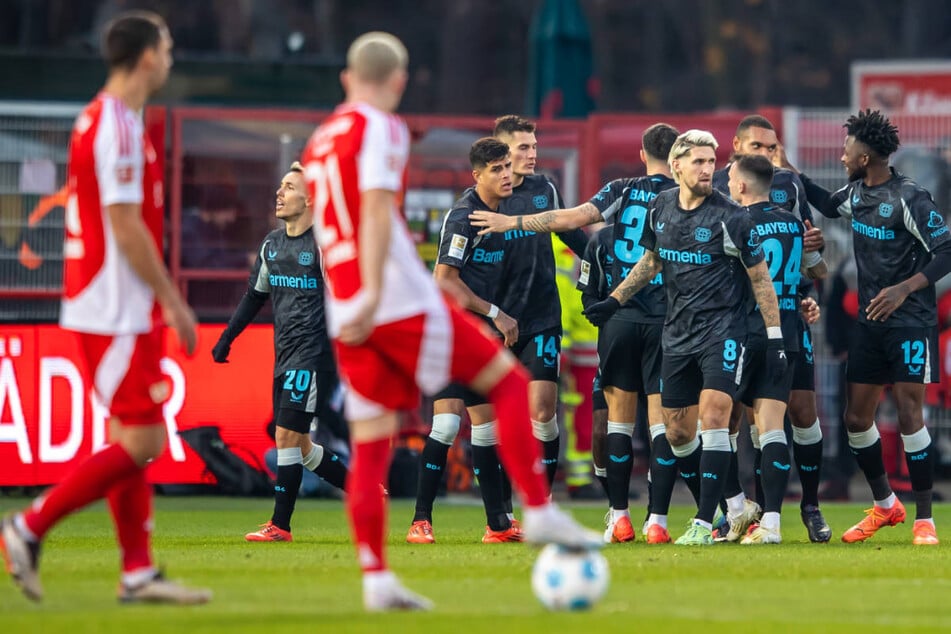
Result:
[
  {"x": 301, "y": 395},
  {"x": 597, "y": 394},
  {"x": 756, "y": 383},
  {"x": 630, "y": 356},
  {"x": 540, "y": 353},
  {"x": 882, "y": 356},
  {"x": 456, "y": 390},
  {"x": 719, "y": 367},
  {"x": 804, "y": 372}
]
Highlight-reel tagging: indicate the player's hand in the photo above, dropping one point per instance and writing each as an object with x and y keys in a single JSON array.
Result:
[
  {"x": 508, "y": 327},
  {"x": 600, "y": 312},
  {"x": 359, "y": 329},
  {"x": 809, "y": 309},
  {"x": 776, "y": 361},
  {"x": 886, "y": 302},
  {"x": 222, "y": 349},
  {"x": 490, "y": 222},
  {"x": 180, "y": 318},
  {"x": 812, "y": 239},
  {"x": 780, "y": 159}
]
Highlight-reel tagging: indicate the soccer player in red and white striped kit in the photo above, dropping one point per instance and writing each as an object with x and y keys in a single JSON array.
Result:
[{"x": 117, "y": 294}]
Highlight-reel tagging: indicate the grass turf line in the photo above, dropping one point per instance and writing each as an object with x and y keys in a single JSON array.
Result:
[{"x": 314, "y": 582}]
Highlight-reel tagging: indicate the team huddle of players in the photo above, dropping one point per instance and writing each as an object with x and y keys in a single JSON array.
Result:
[{"x": 699, "y": 287}]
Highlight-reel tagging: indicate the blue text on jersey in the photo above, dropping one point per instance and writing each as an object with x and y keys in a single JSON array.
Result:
[
  {"x": 293, "y": 281},
  {"x": 876, "y": 233},
  {"x": 488, "y": 257},
  {"x": 684, "y": 257}
]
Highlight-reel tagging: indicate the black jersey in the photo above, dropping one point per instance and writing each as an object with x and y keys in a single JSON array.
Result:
[
  {"x": 480, "y": 259},
  {"x": 705, "y": 253},
  {"x": 288, "y": 269},
  {"x": 596, "y": 278},
  {"x": 787, "y": 191},
  {"x": 895, "y": 228},
  {"x": 527, "y": 290},
  {"x": 626, "y": 201},
  {"x": 780, "y": 234}
]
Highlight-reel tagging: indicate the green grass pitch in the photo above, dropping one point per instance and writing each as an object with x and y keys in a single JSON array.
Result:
[{"x": 313, "y": 585}]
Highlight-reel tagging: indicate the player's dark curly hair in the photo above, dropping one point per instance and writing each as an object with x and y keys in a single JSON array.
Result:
[
  {"x": 487, "y": 150},
  {"x": 874, "y": 129}
]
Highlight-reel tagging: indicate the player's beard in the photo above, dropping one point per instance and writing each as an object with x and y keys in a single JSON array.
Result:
[
  {"x": 857, "y": 174},
  {"x": 701, "y": 190}
]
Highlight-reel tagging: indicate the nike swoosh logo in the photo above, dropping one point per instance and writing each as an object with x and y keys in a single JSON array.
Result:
[{"x": 781, "y": 467}]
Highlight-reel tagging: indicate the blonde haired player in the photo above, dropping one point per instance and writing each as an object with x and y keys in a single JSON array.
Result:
[{"x": 393, "y": 331}]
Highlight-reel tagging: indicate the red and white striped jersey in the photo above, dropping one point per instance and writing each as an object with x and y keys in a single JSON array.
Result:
[
  {"x": 111, "y": 161},
  {"x": 357, "y": 149}
]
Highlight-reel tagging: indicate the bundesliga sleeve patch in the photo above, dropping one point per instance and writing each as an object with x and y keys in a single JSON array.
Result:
[
  {"x": 457, "y": 246},
  {"x": 124, "y": 174},
  {"x": 585, "y": 272}
]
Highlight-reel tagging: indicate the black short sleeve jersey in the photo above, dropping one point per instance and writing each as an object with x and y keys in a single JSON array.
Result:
[
  {"x": 896, "y": 226},
  {"x": 596, "y": 276},
  {"x": 626, "y": 202},
  {"x": 480, "y": 259},
  {"x": 527, "y": 290},
  {"x": 780, "y": 234},
  {"x": 288, "y": 269},
  {"x": 705, "y": 253},
  {"x": 787, "y": 191}
]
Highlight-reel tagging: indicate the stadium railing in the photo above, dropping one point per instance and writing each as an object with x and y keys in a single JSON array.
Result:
[{"x": 223, "y": 166}]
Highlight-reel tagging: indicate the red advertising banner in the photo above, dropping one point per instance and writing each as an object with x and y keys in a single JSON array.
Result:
[
  {"x": 49, "y": 420},
  {"x": 914, "y": 87}
]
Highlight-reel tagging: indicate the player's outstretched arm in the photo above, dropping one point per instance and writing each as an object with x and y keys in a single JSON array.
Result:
[
  {"x": 136, "y": 244},
  {"x": 544, "y": 222},
  {"x": 818, "y": 196}
]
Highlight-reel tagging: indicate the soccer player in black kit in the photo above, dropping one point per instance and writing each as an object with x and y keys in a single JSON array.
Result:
[
  {"x": 630, "y": 346},
  {"x": 629, "y": 343},
  {"x": 781, "y": 235},
  {"x": 515, "y": 275},
  {"x": 472, "y": 267},
  {"x": 902, "y": 247},
  {"x": 288, "y": 271},
  {"x": 755, "y": 135},
  {"x": 528, "y": 289},
  {"x": 713, "y": 267}
]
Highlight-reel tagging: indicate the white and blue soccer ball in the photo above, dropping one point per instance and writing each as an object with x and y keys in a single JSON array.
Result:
[{"x": 565, "y": 579}]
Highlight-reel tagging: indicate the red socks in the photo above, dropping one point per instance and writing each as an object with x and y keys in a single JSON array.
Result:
[
  {"x": 88, "y": 483},
  {"x": 584, "y": 418},
  {"x": 130, "y": 502},
  {"x": 369, "y": 466},
  {"x": 518, "y": 449}
]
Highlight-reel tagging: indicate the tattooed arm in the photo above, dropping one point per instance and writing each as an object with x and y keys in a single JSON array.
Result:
[
  {"x": 640, "y": 276},
  {"x": 765, "y": 293},
  {"x": 544, "y": 222}
]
